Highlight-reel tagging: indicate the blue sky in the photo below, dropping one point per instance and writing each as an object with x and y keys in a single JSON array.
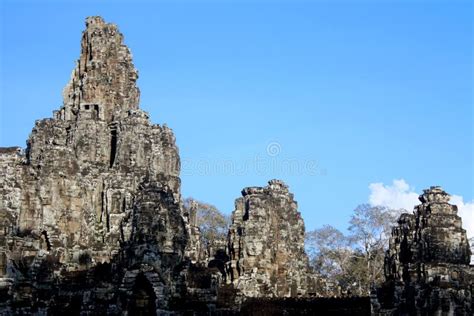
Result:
[{"x": 346, "y": 93}]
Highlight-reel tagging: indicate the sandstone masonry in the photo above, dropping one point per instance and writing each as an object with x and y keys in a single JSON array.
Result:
[
  {"x": 92, "y": 222},
  {"x": 266, "y": 244},
  {"x": 96, "y": 191},
  {"x": 427, "y": 265},
  {"x": 91, "y": 216}
]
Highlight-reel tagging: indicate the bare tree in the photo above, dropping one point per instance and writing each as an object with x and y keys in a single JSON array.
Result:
[
  {"x": 324, "y": 247},
  {"x": 354, "y": 261},
  {"x": 329, "y": 254},
  {"x": 212, "y": 223}
]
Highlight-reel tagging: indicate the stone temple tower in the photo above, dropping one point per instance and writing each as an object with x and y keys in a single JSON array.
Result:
[
  {"x": 427, "y": 265},
  {"x": 96, "y": 191},
  {"x": 103, "y": 84}
]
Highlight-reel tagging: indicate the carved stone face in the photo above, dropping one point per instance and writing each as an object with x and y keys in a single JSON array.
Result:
[
  {"x": 97, "y": 33},
  {"x": 6, "y": 223}
]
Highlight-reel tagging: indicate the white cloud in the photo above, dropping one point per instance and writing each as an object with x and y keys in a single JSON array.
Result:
[
  {"x": 401, "y": 195},
  {"x": 466, "y": 211}
]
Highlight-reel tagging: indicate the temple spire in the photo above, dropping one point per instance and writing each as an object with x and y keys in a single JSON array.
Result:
[{"x": 104, "y": 80}]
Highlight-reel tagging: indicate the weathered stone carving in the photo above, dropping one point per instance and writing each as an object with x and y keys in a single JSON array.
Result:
[
  {"x": 91, "y": 216},
  {"x": 97, "y": 189},
  {"x": 103, "y": 84},
  {"x": 193, "y": 247},
  {"x": 427, "y": 265},
  {"x": 92, "y": 221},
  {"x": 266, "y": 244}
]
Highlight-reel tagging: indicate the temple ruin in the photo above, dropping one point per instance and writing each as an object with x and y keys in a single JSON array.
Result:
[
  {"x": 92, "y": 222},
  {"x": 427, "y": 267}
]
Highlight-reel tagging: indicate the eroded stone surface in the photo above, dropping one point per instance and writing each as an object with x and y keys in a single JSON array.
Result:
[
  {"x": 91, "y": 219},
  {"x": 427, "y": 265},
  {"x": 97, "y": 191},
  {"x": 91, "y": 216},
  {"x": 266, "y": 244},
  {"x": 103, "y": 84}
]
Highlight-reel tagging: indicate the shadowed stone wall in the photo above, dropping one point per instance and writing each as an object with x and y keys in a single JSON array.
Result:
[
  {"x": 427, "y": 265},
  {"x": 266, "y": 244},
  {"x": 96, "y": 191}
]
